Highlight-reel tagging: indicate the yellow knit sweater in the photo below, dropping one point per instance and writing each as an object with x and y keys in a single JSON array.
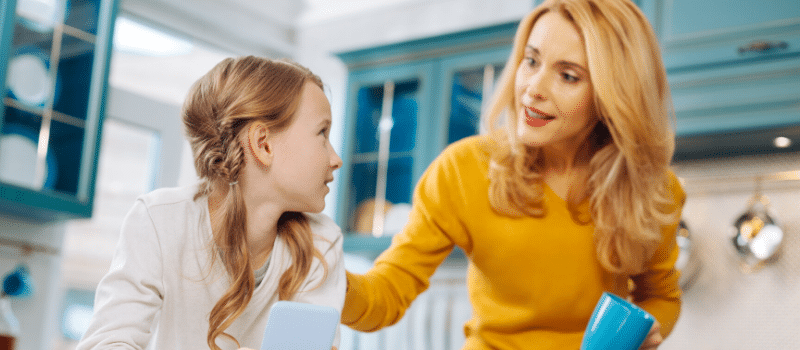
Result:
[{"x": 533, "y": 282}]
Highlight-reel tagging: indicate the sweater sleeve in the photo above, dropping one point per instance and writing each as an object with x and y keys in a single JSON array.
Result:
[
  {"x": 326, "y": 289},
  {"x": 380, "y": 297},
  {"x": 657, "y": 289},
  {"x": 130, "y": 295}
]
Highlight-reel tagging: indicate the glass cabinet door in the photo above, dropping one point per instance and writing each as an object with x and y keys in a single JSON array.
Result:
[
  {"x": 441, "y": 86},
  {"x": 469, "y": 81},
  {"x": 383, "y": 131},
  {"x": 56, "y": 54},
  {"x": 470, "y": 92}
]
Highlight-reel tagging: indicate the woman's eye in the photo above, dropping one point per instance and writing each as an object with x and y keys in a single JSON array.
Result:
[
  {"x": 530, "y": 61},
  {"x": 570, "y": 78},
  {"x": 324, "y": 132}
]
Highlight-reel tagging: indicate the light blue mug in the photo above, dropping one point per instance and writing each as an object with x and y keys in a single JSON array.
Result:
[{"x": 616, "y": 324}]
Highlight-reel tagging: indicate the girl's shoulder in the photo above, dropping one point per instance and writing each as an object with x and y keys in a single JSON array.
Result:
[{"x": 169, "y": 195}]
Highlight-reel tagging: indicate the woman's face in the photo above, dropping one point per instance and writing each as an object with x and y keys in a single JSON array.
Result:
[{"x": 552, "y": 89}]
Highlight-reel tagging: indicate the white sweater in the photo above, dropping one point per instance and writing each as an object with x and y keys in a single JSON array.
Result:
[{"x": 158, "y": 292}]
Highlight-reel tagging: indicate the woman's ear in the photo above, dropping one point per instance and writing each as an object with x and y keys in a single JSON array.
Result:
[{"x": 258, "y": 139}]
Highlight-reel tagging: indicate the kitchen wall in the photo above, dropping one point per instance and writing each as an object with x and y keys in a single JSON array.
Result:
[
  {"x": 38, "y": 313},
  {"x": 727, "y": 306}
]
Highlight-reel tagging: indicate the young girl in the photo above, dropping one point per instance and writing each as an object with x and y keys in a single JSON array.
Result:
[
  {"x": 199, "y": 267},
  {"x": 568, "y": 196}
]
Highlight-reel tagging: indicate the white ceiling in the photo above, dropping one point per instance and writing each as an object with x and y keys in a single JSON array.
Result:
[
  {"x": 219, "y": 28},
  {"x": 246, "y": 27},
  {"x": 261, "y": 27}
]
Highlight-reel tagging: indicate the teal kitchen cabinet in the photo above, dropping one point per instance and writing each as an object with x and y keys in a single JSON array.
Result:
[
  {"x": 54, "y": 67},
  {"x": 734, "y": 71},
  {"x": 405, "y": 103}
]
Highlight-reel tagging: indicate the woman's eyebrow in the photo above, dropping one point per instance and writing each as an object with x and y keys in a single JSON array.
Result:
[
  {"x": 573, "y": 65},
  {"x": 562, "y": 63}
]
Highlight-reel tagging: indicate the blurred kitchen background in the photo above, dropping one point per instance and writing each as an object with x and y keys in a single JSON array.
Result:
[{"x": 91, "y": 121}]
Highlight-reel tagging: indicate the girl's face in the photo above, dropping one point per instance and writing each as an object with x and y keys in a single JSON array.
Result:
[
  {"x": 304, "y": 157},
  {"x": 553, "y": 94}
]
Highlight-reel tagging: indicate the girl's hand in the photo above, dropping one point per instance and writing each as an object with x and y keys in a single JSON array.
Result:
[{"x": 654, "y": 338}]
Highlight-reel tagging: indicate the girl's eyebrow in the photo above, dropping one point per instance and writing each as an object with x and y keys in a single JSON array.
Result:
[
  {"x": 560, "y": 63},
  {"x": 325, "y": 122}
]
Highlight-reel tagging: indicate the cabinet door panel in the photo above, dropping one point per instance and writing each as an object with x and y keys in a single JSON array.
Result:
[
  {"x": 701, "y": 34},
  {"x": 55, "y": 73},
  {"x": 685, "y": 19},
  {"x": 468, "y": 81},
  {"x": 361, "y": 170},
  {"x": 441, "y": 87},
  {"x": 721, "y": 110},
  {"x": 404, "y": 116}
]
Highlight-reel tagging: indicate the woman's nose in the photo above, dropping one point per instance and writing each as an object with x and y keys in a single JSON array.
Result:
[{"x": 537, "y": 86}]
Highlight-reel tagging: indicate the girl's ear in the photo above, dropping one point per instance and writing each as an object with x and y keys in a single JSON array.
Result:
[{"x": 258, "y": 139}]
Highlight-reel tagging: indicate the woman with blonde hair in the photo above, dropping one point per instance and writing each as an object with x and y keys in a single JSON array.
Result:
[
  {"x": 570, "y": 194},
  {"x": 200, "y": 266}
]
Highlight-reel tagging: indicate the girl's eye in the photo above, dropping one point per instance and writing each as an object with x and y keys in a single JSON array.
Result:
[
  {"x": 529, "y": 61},
  {"x": 324, "y": 132}
]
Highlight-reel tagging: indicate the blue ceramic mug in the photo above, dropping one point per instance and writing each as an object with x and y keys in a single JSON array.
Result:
[
  {"x": 616, "y": 324},
  {"x": 18, "y": 283}
]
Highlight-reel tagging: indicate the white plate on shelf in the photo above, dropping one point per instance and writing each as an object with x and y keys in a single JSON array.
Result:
[
  {"x": 29, "y": 78},
  {"x": 18, "y": 155},
  {"x": 40, "y": 15}
]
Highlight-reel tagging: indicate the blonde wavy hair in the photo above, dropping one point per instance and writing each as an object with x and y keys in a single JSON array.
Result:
[
  {"x": 217, "y": 111},
  {"x": 631, "y": 147}
]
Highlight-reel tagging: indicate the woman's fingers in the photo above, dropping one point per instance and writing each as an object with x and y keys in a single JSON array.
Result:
[{"x": 654, "y": 338}]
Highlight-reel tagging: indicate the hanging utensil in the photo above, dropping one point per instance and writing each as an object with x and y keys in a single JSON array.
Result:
[
  {"x": 688, "y": 263},
  {"x": 757, "y": 235}
]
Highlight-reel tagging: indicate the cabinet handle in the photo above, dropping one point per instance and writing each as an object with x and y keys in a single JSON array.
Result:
[{"x": 762, "y": 46}]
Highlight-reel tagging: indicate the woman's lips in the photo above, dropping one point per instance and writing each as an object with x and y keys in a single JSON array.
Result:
[{"x": 536, "y": 118}]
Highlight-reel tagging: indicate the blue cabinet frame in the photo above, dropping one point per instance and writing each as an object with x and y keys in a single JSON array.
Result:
[
  {"x": 433, "y": 64},
  {"x": 73, "y": 115}
]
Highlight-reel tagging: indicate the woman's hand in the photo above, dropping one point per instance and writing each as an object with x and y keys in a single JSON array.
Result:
[{"x": 654, "y": 338}]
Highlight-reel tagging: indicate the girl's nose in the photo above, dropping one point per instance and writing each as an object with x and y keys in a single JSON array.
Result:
[{"x": 336, "y": 161}]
